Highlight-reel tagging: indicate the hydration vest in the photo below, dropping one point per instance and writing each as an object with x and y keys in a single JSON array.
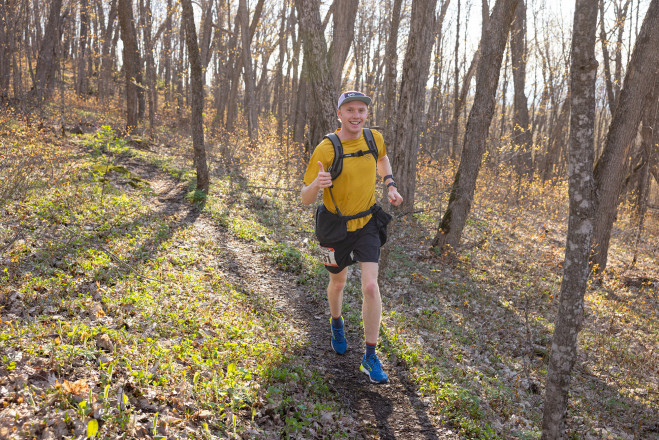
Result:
[{"x": 337, "y": 165}]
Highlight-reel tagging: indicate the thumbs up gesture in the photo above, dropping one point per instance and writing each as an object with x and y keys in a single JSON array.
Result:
[{"x": 324, "y": 178}]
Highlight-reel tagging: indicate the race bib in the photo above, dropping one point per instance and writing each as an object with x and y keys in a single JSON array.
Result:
[{"x": 327, "y": 255}]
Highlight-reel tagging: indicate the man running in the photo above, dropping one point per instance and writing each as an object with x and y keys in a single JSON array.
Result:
[{"x": 353, "y": 192}]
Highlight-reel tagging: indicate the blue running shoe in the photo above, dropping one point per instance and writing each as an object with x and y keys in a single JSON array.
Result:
[
  {"x": 371, "y": 366},
  {"x": 339, "y": 343}
]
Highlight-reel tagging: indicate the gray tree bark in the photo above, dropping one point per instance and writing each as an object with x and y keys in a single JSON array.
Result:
[
  {"x": 493, "y": 44},
  {"x": 48, "y": 55},
  {"x": 197, "y": 96},
  {"x": 106, "y": 59},
  {"x": 459, "y": 102},
  {"x": 390, "y": 74},
  {"x": 604, "y": 40},
  {"x": 82, "y": 84},
  {"x": 622, "y": 131},
  {"x": 456, "y": 87},
  {"x": 5, "y": 52},
  {"x": 278, "y": 104},
  {"x": 404, "y": 147},
  {"x": 343, "y": 32},
  {"x": 321, "y": 95},
  {"x": 522, "y": 135},
  {"x": 248, "y": 77},
  {"x": 132, "y": 64},
  {"x": 206, "y": 35},
  {"x": 152, "y": 92},
  {"x": 232, "y": 110},
  {"x": 166, "y": 64},
  {"x": 580, "y": 224},
  {"x": 229, "y": 93}
]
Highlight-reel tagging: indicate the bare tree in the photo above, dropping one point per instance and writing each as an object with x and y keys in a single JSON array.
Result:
[
  {"x": 248, "y": 77},
  {"x": 493, "y": 44},
  {"x": 278, "y": 104},
  {"x": 604, "y": 40},
  {"x": 166, "y": 53},
  {"x": 106, "y": 45},
  {"x": 343, "y": 31},
  {"x": 321, "y": 94},
  {"x": 622, "y": 131},
  {"x": 580, "y": 225},
  {"x": 649, "y": 138},
  {"x": 82, "y": 85},
  {"x": 405, "y": 144},
  {"x": 390, "y": 60},
  {"x": 522, "y": 135},
  {"x": 132, "y": 64},
  {"x": 6, "y": 33},
  {"x": 196, "y": 95},
  {"x": 48, "y": 55},
  {"x": 238, "y": 64}
]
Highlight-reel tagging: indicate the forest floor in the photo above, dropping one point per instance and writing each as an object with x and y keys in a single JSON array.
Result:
[{"x": 131, "y": 306}]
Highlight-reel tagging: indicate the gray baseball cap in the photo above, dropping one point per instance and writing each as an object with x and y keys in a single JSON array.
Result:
[{"x": 352, "y": 96}]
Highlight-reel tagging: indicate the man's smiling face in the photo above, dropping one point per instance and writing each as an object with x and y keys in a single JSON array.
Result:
[{"x": 352, "y": 116}]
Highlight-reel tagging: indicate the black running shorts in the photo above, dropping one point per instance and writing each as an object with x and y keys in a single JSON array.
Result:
[{"x": 362, "y": 245}]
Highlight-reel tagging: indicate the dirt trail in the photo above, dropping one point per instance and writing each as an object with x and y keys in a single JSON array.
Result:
[{"x": 392, "y": 411}]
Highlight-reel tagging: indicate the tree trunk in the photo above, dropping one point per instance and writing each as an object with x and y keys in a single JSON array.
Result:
[
  {"x": 48, "y": 59},
  {"x": 404, "y": 147},
  {"x": 580, "y": 224},
  {"x": 206, "y": 35},
  {"x": 390, "y": 60},
  {"x": 522, "y": 135},
  {"x": 435, "y": 106},
  {"x": 301, "y": 108},
  {"x": 493, "y": 44},
  {"x": 278, "y": 99},
  {"x": 82, "y": 85},
  {"x": 459, "y": 103},
  {"x": 649, "y": 137},
  {"x": 555, "y": 140},
  {"x": 622, "y": 131},
  {"x": 456, "y": 87},
  {"x": 248, "y": 76},
  {"x": 132, "y": 64},
  {"x": 106, "y": 59},
  {"x": 343, "y": 32},
  {"x": 197, "y": 96},
  {"x": 604, "y": 40},
  {"x": 167, "y": 55},
  {"x": 321, "y": 96},
  {"x": 229, "y": 92},
  {"x": 232, "y": 109},
  {"x": 621, "y": 18},
  {"x": 149, "y": 41},
  {"x": 5, "y": 52}
]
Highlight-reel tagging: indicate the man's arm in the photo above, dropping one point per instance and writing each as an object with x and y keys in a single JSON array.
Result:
[
  {"x": 309, "y": 193},
  {"x": 384, "y": 169}
]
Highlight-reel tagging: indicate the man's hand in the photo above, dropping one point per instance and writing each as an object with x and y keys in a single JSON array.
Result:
[
  {"x": 324, "y": 178},
  {"x": 394, "y": 198}
]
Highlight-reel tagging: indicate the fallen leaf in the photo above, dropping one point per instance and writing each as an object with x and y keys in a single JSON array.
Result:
[{"x": 77, "y": 388}]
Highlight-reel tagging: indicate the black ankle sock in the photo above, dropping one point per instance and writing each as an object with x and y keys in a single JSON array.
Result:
[
  {"x": 337, "y": 322},
  {"x": 370, "y": 349}
]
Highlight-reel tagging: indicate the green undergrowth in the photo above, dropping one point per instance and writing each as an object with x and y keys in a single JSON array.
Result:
[
  {"x": 125, "y": 326},
  {"x": 98, "y": 286}
]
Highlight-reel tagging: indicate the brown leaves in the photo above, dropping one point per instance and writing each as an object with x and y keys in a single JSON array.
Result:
[
  {"x": 77, "y": 388},
  {"x": 104, "y": 342}
]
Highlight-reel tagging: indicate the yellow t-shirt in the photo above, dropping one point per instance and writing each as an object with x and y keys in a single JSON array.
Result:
[{"x": 354, "y": 189}]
